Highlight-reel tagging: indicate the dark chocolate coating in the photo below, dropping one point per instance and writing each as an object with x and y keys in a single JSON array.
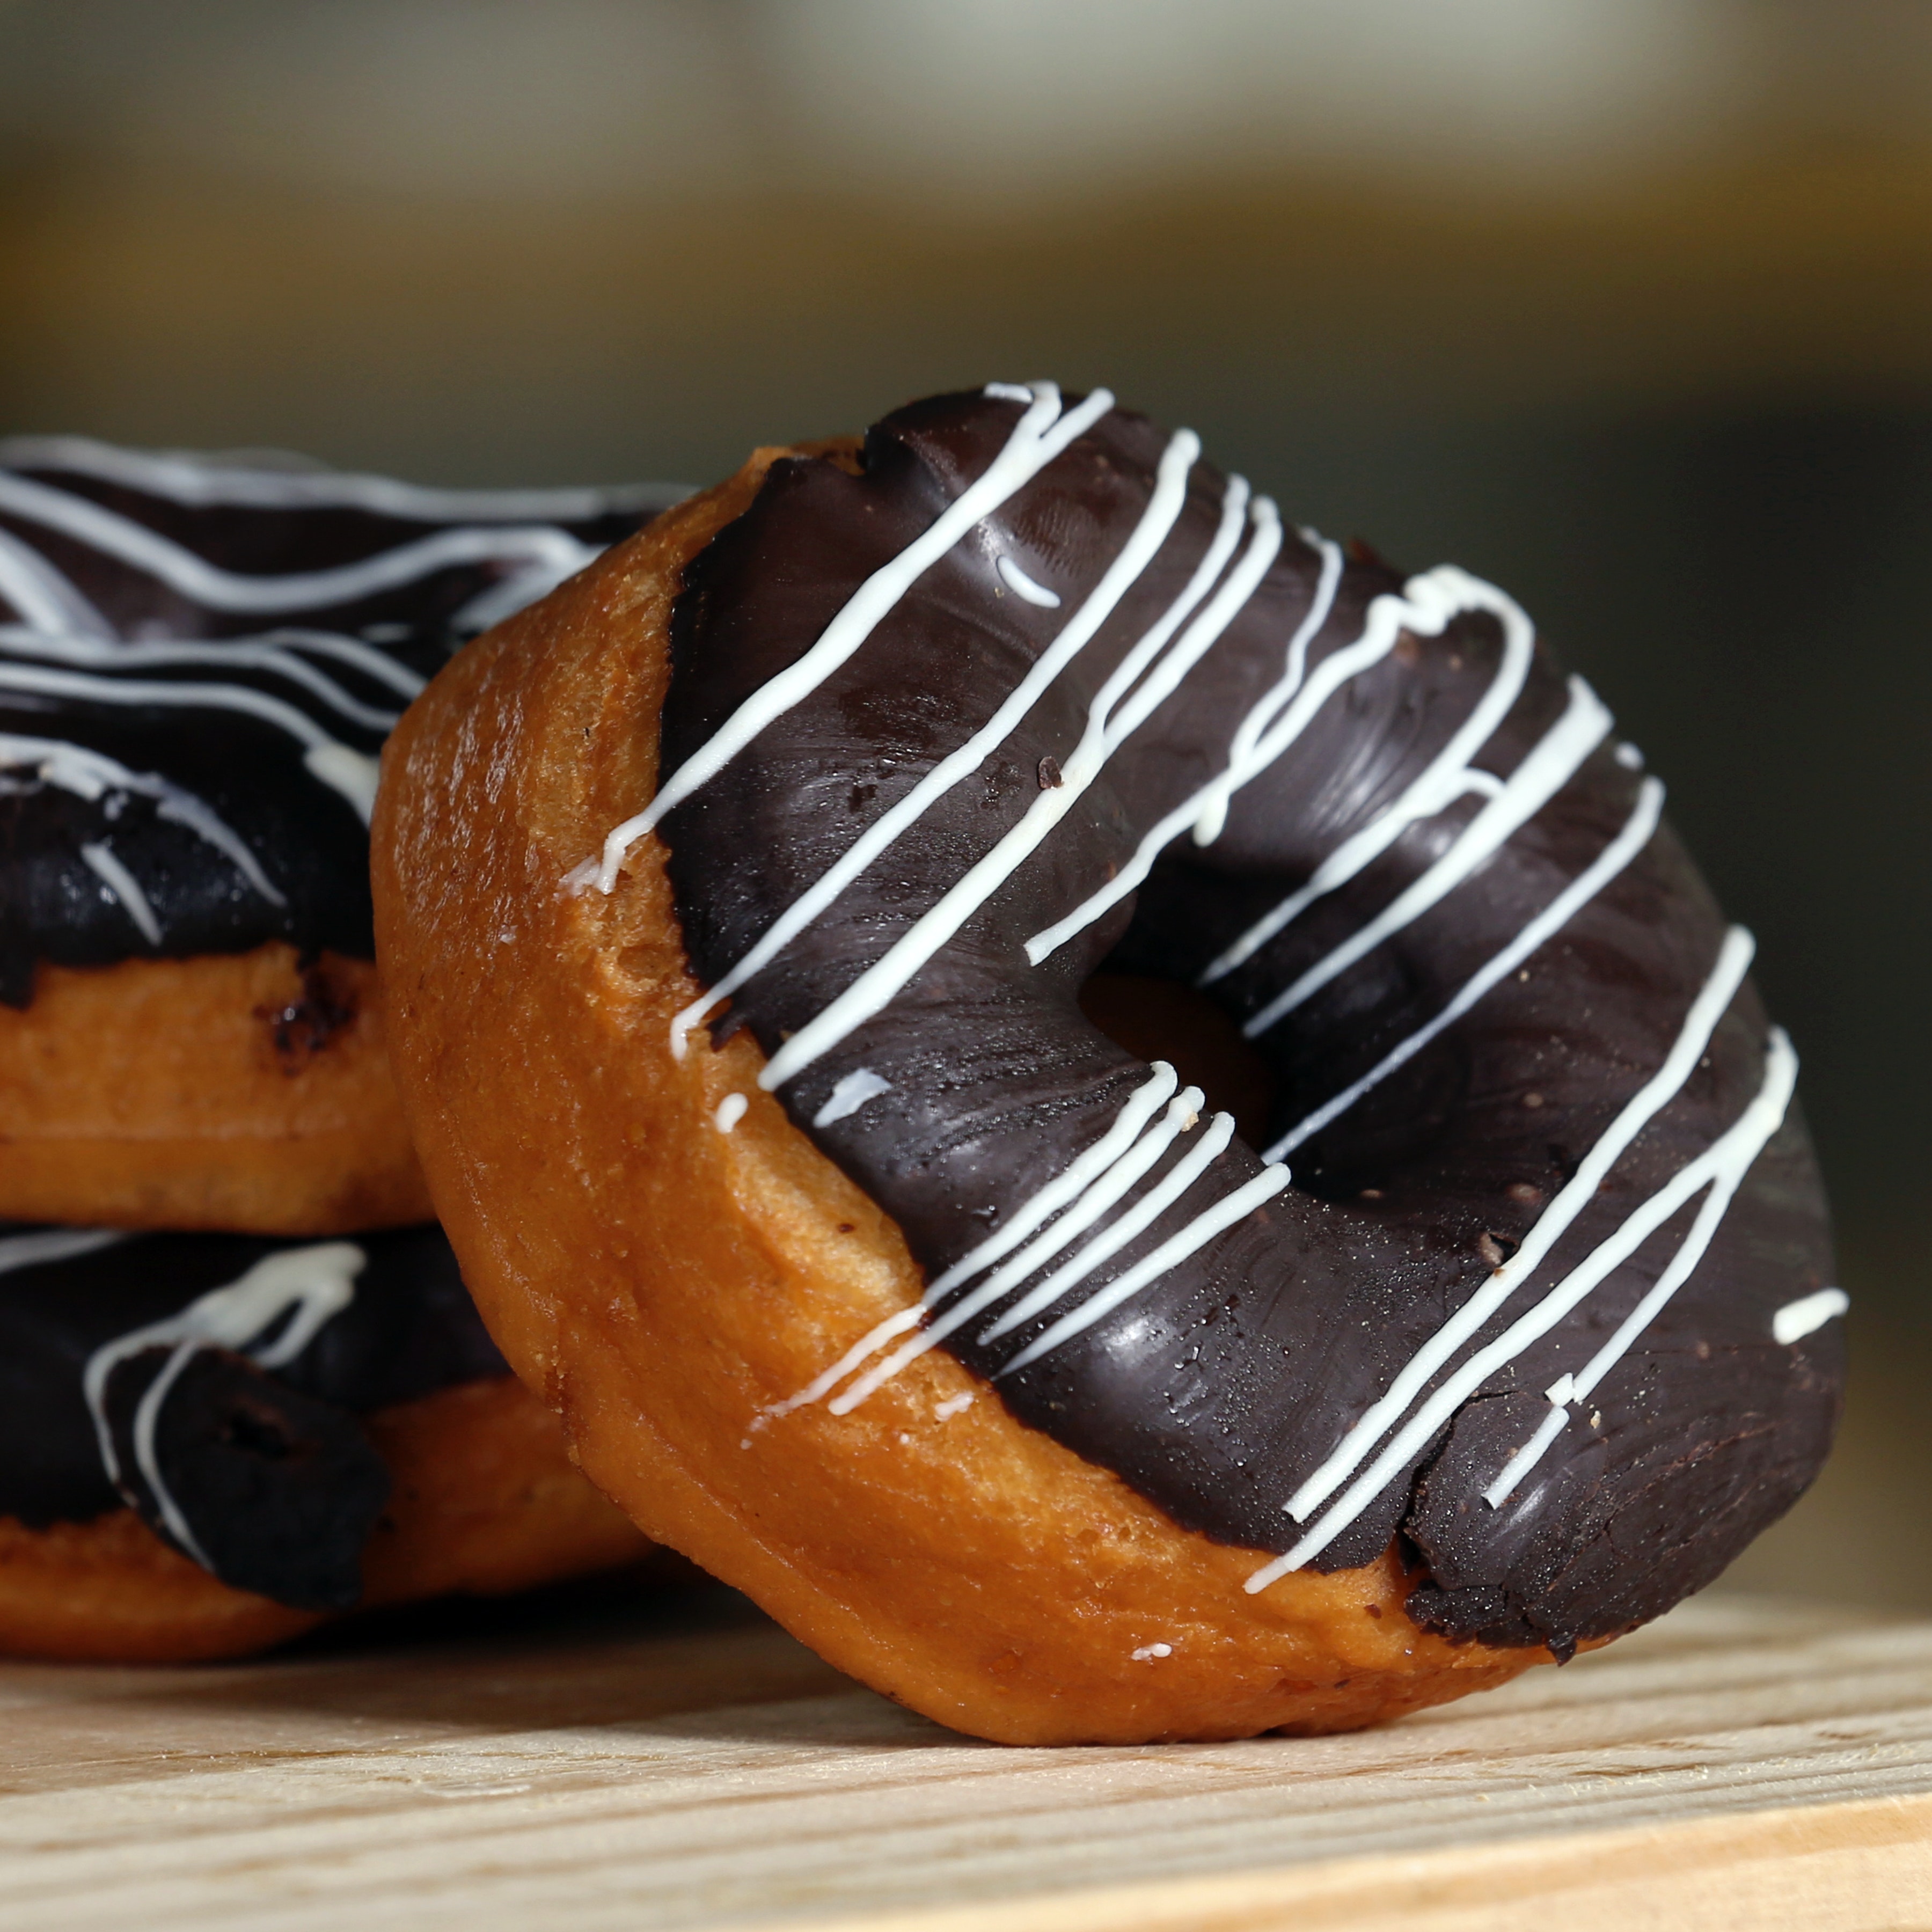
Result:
[
  {"x": 281, "y": 1491},
  {"x": 1217, "y": 1390},
  {"x": 411, "y": 1329},
  {"x": 63, "y": 579}
]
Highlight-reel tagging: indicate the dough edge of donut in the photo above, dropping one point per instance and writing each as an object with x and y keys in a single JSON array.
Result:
[
  {"x": 661, "y": 1282},
  {"x": 149, "y": 1094}
]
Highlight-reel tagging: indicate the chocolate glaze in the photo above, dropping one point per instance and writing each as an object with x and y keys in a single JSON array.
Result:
[
  {"x": 102, "y": 548},
  {"x": 270, "y": 1467},
  {"x": 1218, "y": 1388}
]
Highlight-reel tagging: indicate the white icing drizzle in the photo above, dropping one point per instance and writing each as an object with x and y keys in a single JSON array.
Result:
[
  {"x": 316, "y": 1282},
  {"x": 121, "y": 885},
  {"x": 352, "y": 773},
  {"x": 850, "y": 1095},
  {"x": 244, "y": 654},
  {"x": 1447, "y": 777},
  {"x": 1041, "y": 434},
  {"x": 1635, "y": 835},
  {"x": 1713, "y": 1001},
  {"x": 44, "y": 597},
  {"x": 1426, "y": 607},
  {"x": 1148, "y": 1651},
  {"x": 1578, "y": 1388},
  {"x": 1067, "y": 1187},
  {"x": 1100, "y": 1194},
  {"x": 292, "y": 485},
  {"x": 1024, "y": 586},
  {"x": 875, "y": 987},
  {"x": 1732, "y": 1152},
  {"x": 93, "y": 775},
  {"x": 1163, "y": 508},
  {"x": 1806, "y": 1315},
  {"x": 550, "y": 552},
  {"x": 730, "y": 1111},
  {"x": 1171, "y": 1252},
  {"x": 1629, "y": 757},
  {"x": 54, "y": 1244},
  {"x": 957, "y": 1405},
  {"x": 1544, "y": 771}
]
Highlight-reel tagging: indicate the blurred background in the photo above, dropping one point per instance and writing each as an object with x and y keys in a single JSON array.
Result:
[{"x": 1626, "y": 304}]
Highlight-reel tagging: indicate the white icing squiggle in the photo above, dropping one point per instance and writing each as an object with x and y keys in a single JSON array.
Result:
[
  {"x": 1544, "y": 771},
  {"x": 1733, "y": 1151},
  {"x": 1041, "y": 434},
  {"x": 1164, "y": 507},
  {"x": 54, "y": 1244},
  {"x": 204, "y": 480},
  {"x": 1024, "y": 586},
  {"x": 1635, "y": 835},
  {"x": 352, "y": 773},
  {"x": 43, "y": 597},
  {"x": 554, "y": 553},
  {"x": 100, "y": 860},
  {"x": 875, "y": 988},
  {"x": 1712, "y": 1002},
  {"x": 1101, "y": 1195},
  {"x": 93, "y": 775},
  {"x": 237, "y": 654},
  {"x": 1199, "y": 1232},
  {"x": 316, "y": 1282},
  {"x": 1447, "y": 777}
]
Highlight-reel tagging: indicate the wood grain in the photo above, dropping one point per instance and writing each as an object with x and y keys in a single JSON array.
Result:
[{"x": 1742, "y": 1764}]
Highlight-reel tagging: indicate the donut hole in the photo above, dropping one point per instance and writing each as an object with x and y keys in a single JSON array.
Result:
[{"x": 1167, "y": 1019}]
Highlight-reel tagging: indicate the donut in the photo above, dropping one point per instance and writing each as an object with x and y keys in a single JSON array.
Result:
[
  {"x": 200, "y": 659},
  {"x": 209, "y": 1443},
  {"x": 1131, "y": 1120}
]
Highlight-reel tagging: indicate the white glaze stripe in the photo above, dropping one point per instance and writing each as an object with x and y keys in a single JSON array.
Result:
[
  {"x": 875, "y": 988},
  {"x": 1079, "y": 1174},
  {"x": 1809, "y": 1313},
  {"x": 1581, "y": 1387},
  {"x": 1242, "y": 1202},
  {"x": 91, "y": 774},
  {"x": 1735, "y": 1149},
  {"x": 1426, "y": 607},
  {"x": 203, "y": 480},
  {"x": 94, "y": 654},
  {"x": 1164, "y": 507},
  {"x": 1212, "y": 821},
  {"x": 1712, "y": 1001},
  {"x": 101, "y": 860},
  {"x": 54, "y": 1244},
  {"x": 1545, "y": 769},
  {"x": 350, "y": 773},
  {"x": 533, "y": 546},
  {"x": 1636, "y": 834},
  {"x": 1041, "y": 434},
  {"x": 1181, "y": 1114},
  {"x": 1446, "y": 779},
  {"x": 1178, "y": 1179},
  {"x": 42, "y": 596},
  {"x": 317, "y": 1282}
]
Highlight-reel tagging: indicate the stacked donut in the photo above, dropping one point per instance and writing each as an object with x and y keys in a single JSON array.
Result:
[{"x": 244, "y": 1386}]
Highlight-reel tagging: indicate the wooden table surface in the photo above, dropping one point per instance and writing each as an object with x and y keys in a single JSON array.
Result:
[{"x": 601, "y": 1764}]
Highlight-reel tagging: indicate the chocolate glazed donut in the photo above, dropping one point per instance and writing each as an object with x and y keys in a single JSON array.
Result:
[
  {"x": 199, "y": 661},
  {"x": 1523, "y": 1283}
]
